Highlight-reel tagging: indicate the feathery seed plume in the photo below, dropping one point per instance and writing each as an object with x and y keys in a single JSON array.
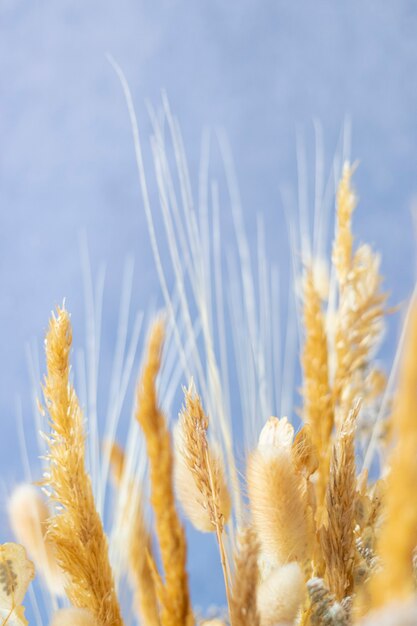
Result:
[
  {"x": 75, "y": 530},
  {"x": 200, "y": 481}
]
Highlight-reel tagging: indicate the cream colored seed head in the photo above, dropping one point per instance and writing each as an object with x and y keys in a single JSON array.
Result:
[
  {"x": 280, "y": 596},
  {"x": 28, "y": 515},
  {"x": 277, "y": 495},
  {"x": 277, "y": 435},
  {"x": 73, "y": 617}
]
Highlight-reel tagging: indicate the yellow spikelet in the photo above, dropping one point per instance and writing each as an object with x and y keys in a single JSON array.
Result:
[
  {"x": 243, "y": 604},
  {"x": 199, "y": 474},
  {"x": 76, "y": 531},
  {"x": 317, "y": 396},
  {"x": 73, "y": 617},
  {"x": 140, "y": 545},
  {"x": 277, "y": 496},
  {"x": 337, "y": 537},
  {"x": 398, "y": 537},
  {"x": 28, "y": 515},
  {"x": 173, "y": 593}
]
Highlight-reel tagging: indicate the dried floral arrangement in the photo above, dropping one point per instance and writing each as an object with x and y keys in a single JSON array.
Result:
[{"x": 305, "y": 537}]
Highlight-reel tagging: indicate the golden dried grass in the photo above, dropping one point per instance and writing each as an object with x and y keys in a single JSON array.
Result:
[
  {"x": 173, "y": 592},
  {"x": 75, "y": 530}
]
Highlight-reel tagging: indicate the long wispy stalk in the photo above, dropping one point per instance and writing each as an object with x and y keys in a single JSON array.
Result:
[{"x": 76, "y": 529}]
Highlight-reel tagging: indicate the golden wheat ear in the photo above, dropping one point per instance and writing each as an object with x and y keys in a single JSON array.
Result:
[
  {"x": 173, "y": 593},
  {"x": 75, "y": 530}
]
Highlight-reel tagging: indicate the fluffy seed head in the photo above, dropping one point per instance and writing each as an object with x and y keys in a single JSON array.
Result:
[
  {"x": 280, "y": 596},
  {"x": 28, "y": 515},
  {"x": 277, "y": 496},
  {"x": 73, "y": 617}
]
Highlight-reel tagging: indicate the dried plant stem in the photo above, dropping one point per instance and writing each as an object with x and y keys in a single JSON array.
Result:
[
  {"x": 219, "y": 533},
  {"x": 173, "y": 593},
  {"x": 76, "y": 531}
]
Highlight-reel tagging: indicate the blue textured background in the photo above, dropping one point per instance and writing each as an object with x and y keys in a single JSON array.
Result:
[{"x": 261, "y": 70}]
